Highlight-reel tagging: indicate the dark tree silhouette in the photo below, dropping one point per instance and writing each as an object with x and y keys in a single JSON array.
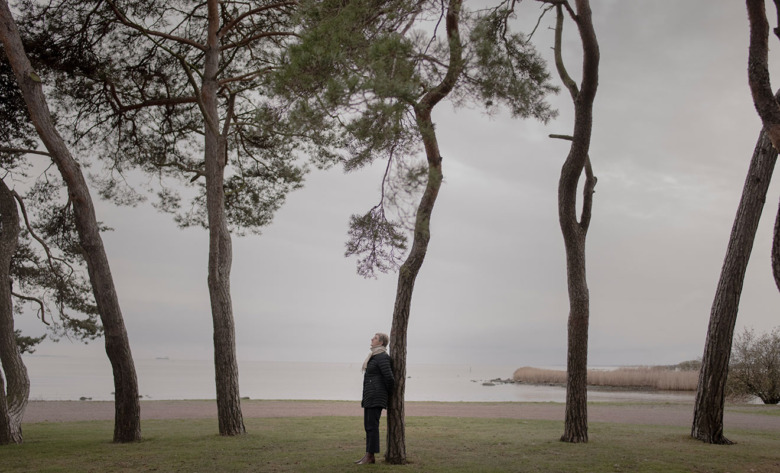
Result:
[
  {"x": 575, "y": 230},
  {"x": 127, "y": 426}
]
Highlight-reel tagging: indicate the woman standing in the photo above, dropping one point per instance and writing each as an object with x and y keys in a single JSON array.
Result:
[{"x": 377, "y": 384}]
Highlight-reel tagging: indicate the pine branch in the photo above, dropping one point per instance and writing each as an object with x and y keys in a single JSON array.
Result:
[
  {"x": 159, "y": 34},
  {"x": 4, "y": 149},
  {"x": 41, "y": 310}
]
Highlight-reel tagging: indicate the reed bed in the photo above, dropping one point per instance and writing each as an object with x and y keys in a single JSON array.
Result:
[{"x": 644, "y": 377}]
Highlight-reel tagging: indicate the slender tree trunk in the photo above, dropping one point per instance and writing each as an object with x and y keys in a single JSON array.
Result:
[
  {"x": 396, "y": 423},
  {"x": 231, "y": 420},
  {"x": 18, "y": 383},
  {"x": 127, "y": 420},
  {"x": 711, "y": 391},
  {"x": 767, "y": 105},
  {"x": 576, "y": 418},
  {"x": 574, "y": 231},
  {"x": 776, "y": 250},
  {"x": 5, "y": 420}
]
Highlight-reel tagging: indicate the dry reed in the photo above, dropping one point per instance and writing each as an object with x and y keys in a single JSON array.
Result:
[{"x": 660, "y": 378}]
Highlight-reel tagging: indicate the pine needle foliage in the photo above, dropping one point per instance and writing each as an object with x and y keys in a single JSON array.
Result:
[
  {"x": 141, "y": 110},
  {"x": 360, "y": 71}
]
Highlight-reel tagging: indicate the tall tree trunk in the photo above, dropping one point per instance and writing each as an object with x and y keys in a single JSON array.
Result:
[
  {"x": 5, "y": 420},
  {"x": 576, "y": 418},
  {"x": 127, "y": 419},
  {"x": 17, "y": 391},
  {"x": 574, "y": 231},
  {"x": 711, "y": 391},
  {"x": 776, "y": 250},
  {"x": 231, "y": 420},
  {"x": 396, "y": 423}
]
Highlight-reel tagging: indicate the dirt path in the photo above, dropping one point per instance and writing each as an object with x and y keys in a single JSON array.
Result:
[{"x": 678, "y": 414}]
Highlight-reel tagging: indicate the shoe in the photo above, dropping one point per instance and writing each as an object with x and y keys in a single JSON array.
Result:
[{"x": 368, "y": 458}]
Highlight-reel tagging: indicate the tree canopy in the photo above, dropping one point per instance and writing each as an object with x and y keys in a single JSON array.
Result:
[
  {"x": 142, "y": 109},
  {"x": 360, "y": 71},
  {"x": 47, "y": 269}
]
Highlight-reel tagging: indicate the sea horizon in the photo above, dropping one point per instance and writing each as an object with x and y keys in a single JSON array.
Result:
[{"x": 67, "y": 377}]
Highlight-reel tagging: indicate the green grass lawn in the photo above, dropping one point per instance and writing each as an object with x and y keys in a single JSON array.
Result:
[{"x": 434, "y": 444}]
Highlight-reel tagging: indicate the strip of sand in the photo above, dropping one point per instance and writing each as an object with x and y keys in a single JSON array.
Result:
[{"x": 676, "y": 414}]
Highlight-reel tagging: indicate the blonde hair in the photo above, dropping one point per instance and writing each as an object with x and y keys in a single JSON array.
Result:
[{"x": 383, "y": 338}]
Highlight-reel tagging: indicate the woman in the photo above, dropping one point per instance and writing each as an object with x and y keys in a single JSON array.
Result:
[{"x": 377, "y": 384}]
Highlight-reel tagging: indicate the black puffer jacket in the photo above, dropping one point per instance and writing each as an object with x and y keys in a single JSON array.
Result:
[{"x": 378, "y": 381}]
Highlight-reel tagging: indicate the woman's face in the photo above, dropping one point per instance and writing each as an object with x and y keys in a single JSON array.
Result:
[{"x": 375, "y": 342}]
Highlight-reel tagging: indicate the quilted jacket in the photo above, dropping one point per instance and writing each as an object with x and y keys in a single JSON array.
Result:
[{"x": 378, "y": 381}]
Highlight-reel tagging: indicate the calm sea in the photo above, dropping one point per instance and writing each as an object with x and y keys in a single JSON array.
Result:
[{"x": 72, "y": 378}]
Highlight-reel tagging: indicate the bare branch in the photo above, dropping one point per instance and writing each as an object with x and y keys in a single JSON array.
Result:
[
  {"x": 229, "y": 25},
  {"x": 231, "y": 106},
  {"x": 758, "y": 71},
  {"x": 127, "y": 22},
  {"x": 49, "y": 256},
  {"x": 41, "y": 307},
  {"x": 559, "y": 65},
  {"x": 587, "y": 195},
  {"x": 157, "y": 103},
  {"x": 589, "y": 188},
  {"x": 246, "y": 77},
  {"x": 208, "y": 118}
]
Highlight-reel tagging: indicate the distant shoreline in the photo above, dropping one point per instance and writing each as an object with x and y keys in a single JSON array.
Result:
[{"x": 752, "y": 417}]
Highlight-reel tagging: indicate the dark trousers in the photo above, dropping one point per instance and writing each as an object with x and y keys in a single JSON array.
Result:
[{"x": 371, "y": 416}]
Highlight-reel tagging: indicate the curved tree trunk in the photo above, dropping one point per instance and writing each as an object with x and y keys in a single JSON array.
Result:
[
  {"x": 396, "y": 423},
  {"x": 15, "y": 397},
  {"x": 127, "y": 419},
  {"x": 574, "y": 231},
  {"x": 231, "y": 420},
  {"x": 711, "y": 391}
]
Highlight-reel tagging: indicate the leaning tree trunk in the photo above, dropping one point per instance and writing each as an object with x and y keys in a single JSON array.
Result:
[
  {"x": 767, "y": 105},
  {"x": 17, "y": 393},
  {"x": 574, "y": 232},
  {"x": 127, "y": 418},
  {"x": 231, "y": 420},
  {"x": 711, "y": 391},
  {"x": 396, "y": 423}
]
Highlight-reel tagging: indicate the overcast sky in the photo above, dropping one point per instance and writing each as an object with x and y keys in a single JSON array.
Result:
[{"x": 674, "y": 130}]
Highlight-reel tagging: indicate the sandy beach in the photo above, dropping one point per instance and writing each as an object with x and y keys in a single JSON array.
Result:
[{"x": 677, "y": 414}]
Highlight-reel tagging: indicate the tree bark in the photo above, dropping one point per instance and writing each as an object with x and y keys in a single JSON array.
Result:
[
  {"x": 776, "y": 250},
  {"x": 17, "y": 391},
  {"x": 766, "y": 105},
  {"x": 5, "y": 420},
  {"x": 710, "y": 393},
  {"x": 574, "y": 231},
  {"x": 711, "y": 390},
  {"x": 231, "y": 421},
  {"x": 396, "y": 423},
  {"x": 127, "y": 420}
]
